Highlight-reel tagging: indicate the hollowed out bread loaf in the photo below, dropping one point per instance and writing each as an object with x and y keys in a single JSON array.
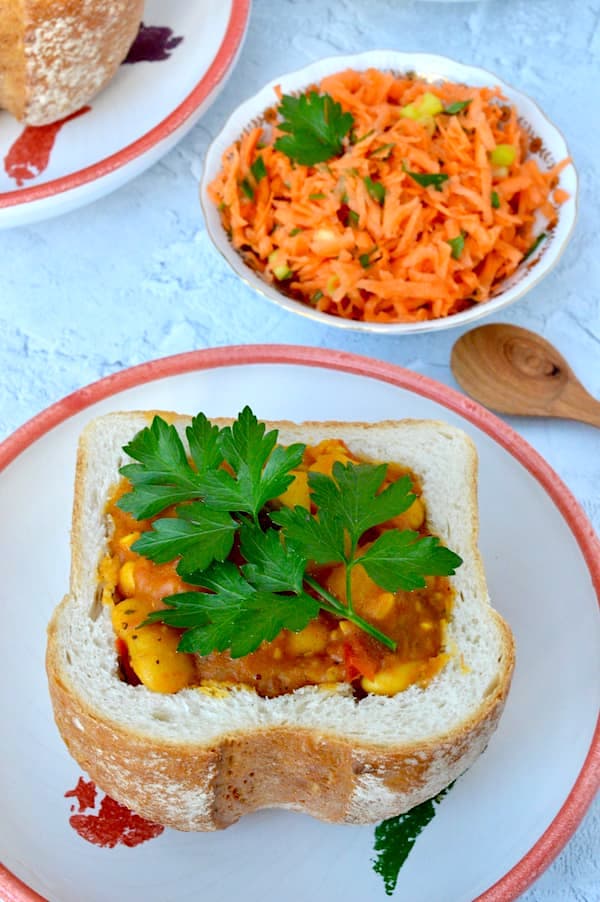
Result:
[
  {"x": 198, "y": 762},
  {"x": 55, "y": 55}
]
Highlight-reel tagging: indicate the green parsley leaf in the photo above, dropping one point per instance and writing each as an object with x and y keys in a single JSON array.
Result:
[
  {"x": 454, "y": 108},
  {"x": 187, "y": 611},
  {"x": 149, "y": 500},
  {"x": 160, "y": 452},
  {"x": 353, "y": 218},
  {"x": 262, "y": 469},
  {"x": 163, "y": 475},
  {"x": 203, "y": 439},
  {"x": 375, "y": 189},
  {"x": 266, "y": 614},
  {"x": 400, "y": 559},
  {"x": 275, "y": 566},
  {"x": 258, "y": 169},
  {"x": 350, "y": 502},
  {"x": 495, "y": 200},
  {"x": 352, "y": 497},
  {"x": 318, "y": 195},
  {"x": 198, "y": 534},
  {"x": 235, "y": 615},
  {"x": 320, "y": 539},
  {"x": 296, "y": 231},
  {"x": 315, "y": 127},
  {"x": 427, "y": 179},
  {"x": 457, "y": 244}
]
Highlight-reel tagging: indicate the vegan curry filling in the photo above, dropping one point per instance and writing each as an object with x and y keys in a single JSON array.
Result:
[{"x": 326, "y": 652}]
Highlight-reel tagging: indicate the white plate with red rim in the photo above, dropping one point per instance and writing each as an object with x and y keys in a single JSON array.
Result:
[
  {"x": 432, "y": 68},
  {"x": 174, "y": 71},
  {"x": 503, "y": 821}
]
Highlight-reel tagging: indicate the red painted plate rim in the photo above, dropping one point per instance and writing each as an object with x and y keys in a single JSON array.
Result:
[
  {"x": 555, "y": 837},
  {"x": 216, "y": 72}
]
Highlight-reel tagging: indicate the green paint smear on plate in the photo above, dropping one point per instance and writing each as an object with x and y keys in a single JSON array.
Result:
[{"x": 395, "y": 838}]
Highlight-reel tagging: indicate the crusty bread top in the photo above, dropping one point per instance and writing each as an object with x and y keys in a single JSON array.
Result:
[
  {"x": 55, "y": 55},
  {"x": 445, "y": 460},
  {"x": 12, "y": 56}
]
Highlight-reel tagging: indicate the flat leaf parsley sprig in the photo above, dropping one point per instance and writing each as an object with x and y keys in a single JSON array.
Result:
[
  {"x": 315, "y": 127},
  {"x": 220, "y": 495}
]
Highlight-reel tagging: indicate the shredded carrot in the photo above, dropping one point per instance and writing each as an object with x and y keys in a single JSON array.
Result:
[{"x": 413, "y": 252}]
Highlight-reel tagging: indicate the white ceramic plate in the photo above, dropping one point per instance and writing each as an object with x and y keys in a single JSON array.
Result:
[
  {"x": 431, "y": 68},
  {"x": 185, "y": 51},
  {"x": 502, "y": 822}
]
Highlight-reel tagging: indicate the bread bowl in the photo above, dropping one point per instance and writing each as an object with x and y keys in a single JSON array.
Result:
[
  {"x": 197, "y": 759},
  {"x": 56, "y": 55}
]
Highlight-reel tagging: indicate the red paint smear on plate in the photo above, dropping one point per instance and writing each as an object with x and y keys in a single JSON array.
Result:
[
  {"x": 152, "y": 44},
  {"x": 84, "y": 792},
  {"x": 30, "y": 154},
  {"x": 113, "y": 824}
]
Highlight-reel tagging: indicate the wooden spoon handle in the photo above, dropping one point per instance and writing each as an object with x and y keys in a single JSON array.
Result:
[{"x": 576, "y": 404}]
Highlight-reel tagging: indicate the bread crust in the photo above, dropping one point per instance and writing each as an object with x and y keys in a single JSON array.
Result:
[
  {"x": 207, "y": 781},
  {"x": 56, "y": 55}
]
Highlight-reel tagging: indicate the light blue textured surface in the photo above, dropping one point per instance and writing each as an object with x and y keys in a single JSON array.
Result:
[{"x": 134, "y": 276}]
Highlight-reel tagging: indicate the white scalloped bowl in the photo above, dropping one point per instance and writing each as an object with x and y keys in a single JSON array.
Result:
[{"x": 431, "y": 68}]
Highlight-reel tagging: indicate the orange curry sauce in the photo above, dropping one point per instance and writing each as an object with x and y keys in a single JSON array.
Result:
[{"x": 327, "y": 651}]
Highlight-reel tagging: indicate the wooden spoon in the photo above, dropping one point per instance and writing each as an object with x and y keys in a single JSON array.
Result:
[{"x": 513, "y": 370}]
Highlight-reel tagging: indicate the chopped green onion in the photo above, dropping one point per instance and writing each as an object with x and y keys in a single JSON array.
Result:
[
  {"x": 503, "y": 155},
  {"x": 279, "y": 266},
  {"x": 382, "y": 149},
  {"x": 535, "y": 245},
  {"x": 375, "y": 189},
  {"x": 495, "y": 200},
  {"x": 457, "y": 244},
  {"x": 429, "y": 105},
  {"x": 354, "y": 140},
  {"x": 457, "y": 107},
  {"x": 258, "y": 169},
  {"x": 365, "y": 259},
  {"x": 353, "y": 217},
  {"x": 316, "y": 296},
  {"x": 318, "y": 195},
  {"x": 427, "y": 179},
  {"x": 296, "y": 231},
  {"x": 247, "y": 189}
]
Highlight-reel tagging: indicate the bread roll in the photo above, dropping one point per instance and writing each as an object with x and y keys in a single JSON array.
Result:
[
  {"x": 196, "y": 761},
  {"x": 55, "y": 55}
]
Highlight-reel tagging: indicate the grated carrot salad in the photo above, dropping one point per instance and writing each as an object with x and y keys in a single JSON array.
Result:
[{"x": 357, "y": 236}]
